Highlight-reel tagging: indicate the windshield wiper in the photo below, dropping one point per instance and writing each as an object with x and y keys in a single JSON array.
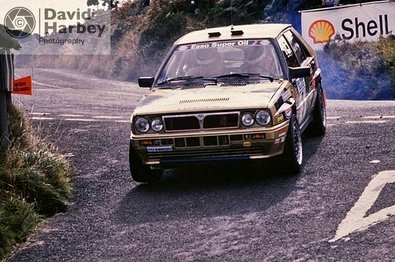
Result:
[
  {"x": 185, "y": 78},
  {"x": 245, "y": 75}
]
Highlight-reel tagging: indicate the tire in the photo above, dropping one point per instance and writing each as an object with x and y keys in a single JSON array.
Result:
[
  {"x": 141, "y": 172},
  {"x": 292, "y": 158},
  {"x": 318, "y": 126}
]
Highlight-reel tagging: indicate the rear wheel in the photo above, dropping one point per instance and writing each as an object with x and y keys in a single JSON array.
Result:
[
  {"x": 318, "y": 126},
  {"x": 141, "y": 172},
  {"x": 293, "y": 152}
]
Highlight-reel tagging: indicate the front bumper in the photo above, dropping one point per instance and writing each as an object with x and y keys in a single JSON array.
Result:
[{"x": 167, "y": 150}]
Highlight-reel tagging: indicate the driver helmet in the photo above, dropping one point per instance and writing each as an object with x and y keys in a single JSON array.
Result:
[
  {"x": 206, "y": 56},
  {"x": 254, "y": 54}
]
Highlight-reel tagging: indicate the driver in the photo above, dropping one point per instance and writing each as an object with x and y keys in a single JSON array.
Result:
[
  {"x": 209, "y": 62},
  {"x": 259, "y": 61}
]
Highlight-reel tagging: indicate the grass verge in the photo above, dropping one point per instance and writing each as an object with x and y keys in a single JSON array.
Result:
[{"x": 34, "y": 183}]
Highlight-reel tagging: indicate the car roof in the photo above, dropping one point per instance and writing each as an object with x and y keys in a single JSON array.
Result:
[{"x": 249, "y": 31}]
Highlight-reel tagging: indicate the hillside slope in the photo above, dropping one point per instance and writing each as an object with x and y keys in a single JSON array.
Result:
[{"x": 142, "y": 34}]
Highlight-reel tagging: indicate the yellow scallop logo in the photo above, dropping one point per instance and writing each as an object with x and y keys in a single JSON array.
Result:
[{"x": 321, "y": 31}]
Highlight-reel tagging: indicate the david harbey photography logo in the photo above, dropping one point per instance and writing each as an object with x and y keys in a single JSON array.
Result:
[{"x": 21, "y": 23}]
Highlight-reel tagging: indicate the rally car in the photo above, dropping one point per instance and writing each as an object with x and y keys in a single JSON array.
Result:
[{"x": 230, "y": 93}]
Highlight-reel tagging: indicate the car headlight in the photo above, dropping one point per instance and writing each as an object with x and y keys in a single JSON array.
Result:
[
  {"x": 142, "y": 124},
  {"x": 247, "y": 119},
  {"x": 157, "y": 125},
  {"x": 263, "y": 117}
]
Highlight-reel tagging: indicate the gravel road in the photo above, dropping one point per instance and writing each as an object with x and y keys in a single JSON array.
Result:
[{"x": 340, "y": 208}]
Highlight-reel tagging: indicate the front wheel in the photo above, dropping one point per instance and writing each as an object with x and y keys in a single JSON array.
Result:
[
  {"x": 141, "y": 172},
  {"x": 293, "y": 152}
]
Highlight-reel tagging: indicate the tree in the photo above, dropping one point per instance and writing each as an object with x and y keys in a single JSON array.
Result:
[
  {"x": 110, "y": 3},
  {"x": 6, "y": 41},
  {"x": 92, "y": 2}
]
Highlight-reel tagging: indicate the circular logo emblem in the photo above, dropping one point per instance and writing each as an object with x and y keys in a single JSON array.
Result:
[
  {"x": 321, "y": 31},
  {"x": 19, "y": 22}
]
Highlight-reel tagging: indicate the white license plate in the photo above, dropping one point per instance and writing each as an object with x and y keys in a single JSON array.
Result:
[{"x": 157, "y": 149}]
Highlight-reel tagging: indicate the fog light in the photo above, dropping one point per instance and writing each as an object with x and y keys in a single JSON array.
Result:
[
  {"x": 257, "y": 136},
  {"x": 247, "y": 137},
  {"x": 145, "y": 142}
]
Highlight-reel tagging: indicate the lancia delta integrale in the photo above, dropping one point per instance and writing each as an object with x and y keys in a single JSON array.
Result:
[{"x": 229, "y": 93}]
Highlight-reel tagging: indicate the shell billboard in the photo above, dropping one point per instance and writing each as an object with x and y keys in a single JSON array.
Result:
[{"x": 361, "y": 22}]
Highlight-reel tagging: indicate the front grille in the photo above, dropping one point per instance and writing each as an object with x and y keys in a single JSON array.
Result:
[
  {"x": 201, "y": 121},
  {"x": 182, "y": 123},
  {"x": 218, "y": 121}
]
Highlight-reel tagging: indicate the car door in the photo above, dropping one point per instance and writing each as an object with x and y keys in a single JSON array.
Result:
[
  {"x": 304, "y": 59},
  {"x": 299, "y": 83}
]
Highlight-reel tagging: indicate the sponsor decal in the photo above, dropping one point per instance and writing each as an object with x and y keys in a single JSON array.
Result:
[
  {"x": 280, "y": 118},
  {"x": 282, "y": 134},
  {"x": 247, "y": 144},
  {"x": 288, "y": 113},
  {"x": 279, "y": 140},
  {"x": 286, "y": 95},
  {"x": 158, "y": 149},
  {"x": 224, "y": 44},
  {"x": 321, "y": 31},
  {"x": 300, "y": 84}
]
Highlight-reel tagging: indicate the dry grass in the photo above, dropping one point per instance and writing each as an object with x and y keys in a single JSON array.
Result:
[{"x": 34, "y": 183}]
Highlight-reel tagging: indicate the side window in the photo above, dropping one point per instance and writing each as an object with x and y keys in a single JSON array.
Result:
[
  {"x": 298, "y": 48},
  {"x": 288, "y": 53}
]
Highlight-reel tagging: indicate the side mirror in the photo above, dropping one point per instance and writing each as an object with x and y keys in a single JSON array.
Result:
[
  {"x": 146, "y": 81},
  {"x": 298, "y": 72}
]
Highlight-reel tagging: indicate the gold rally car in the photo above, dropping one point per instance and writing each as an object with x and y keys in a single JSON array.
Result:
[{"x": 228, "y": 93}]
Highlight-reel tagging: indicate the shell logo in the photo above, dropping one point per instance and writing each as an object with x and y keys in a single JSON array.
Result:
[{"x": 321, "y": 31}]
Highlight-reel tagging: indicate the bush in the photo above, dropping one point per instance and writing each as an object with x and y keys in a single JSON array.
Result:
[
  {"x": 361, "y": 70},
  {"x": 165, "y": 27}
]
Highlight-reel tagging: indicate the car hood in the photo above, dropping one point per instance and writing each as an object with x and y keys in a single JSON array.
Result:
[{"x": 209, "y": 98}]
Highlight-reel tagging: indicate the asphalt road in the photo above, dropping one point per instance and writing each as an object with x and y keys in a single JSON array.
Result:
[{"x": 340, "y": 208}]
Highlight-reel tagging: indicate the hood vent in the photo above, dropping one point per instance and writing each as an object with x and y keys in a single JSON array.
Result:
[
  {"x": 232, "y": 84},
  {"x": 193, "y": 87},
  {"x": 204, "y": 100}
]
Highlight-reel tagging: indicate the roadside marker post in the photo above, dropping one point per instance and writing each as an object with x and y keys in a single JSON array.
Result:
[{"x": 6, "y": 87}]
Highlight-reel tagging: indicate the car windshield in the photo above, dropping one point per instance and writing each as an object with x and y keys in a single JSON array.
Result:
[{"x": 225, "y": 59}]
